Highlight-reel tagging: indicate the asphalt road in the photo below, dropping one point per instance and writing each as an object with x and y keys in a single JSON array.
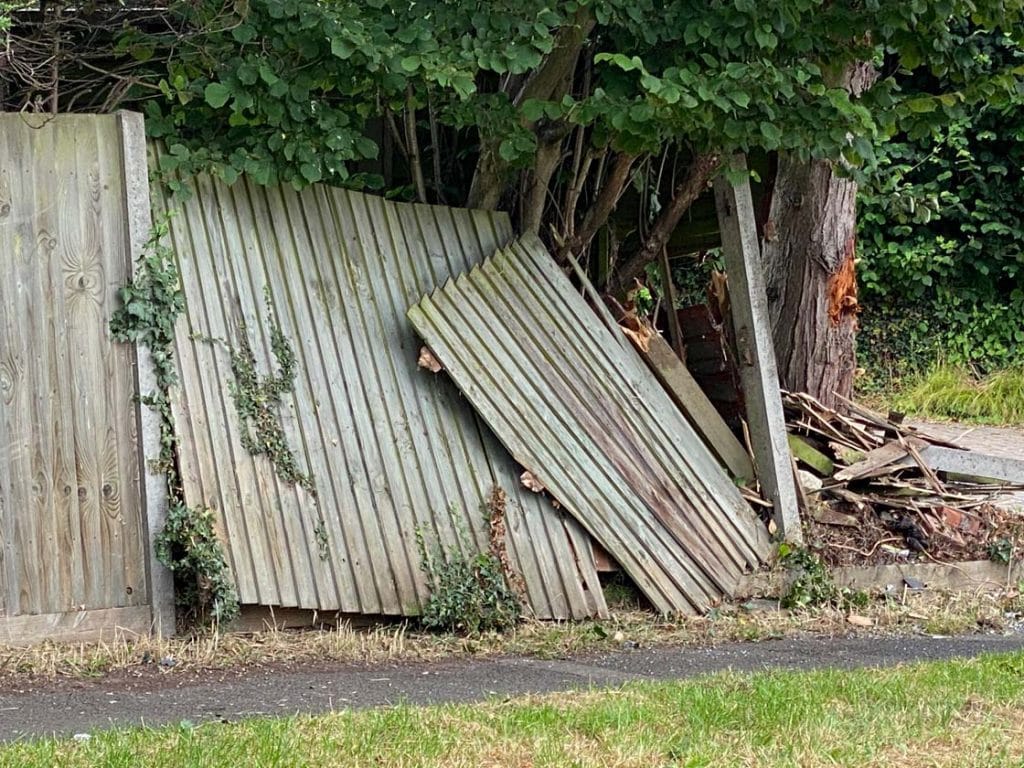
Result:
[{"x": 66, "y": 709}]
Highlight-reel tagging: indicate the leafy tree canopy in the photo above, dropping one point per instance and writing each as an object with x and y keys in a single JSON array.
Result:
[{"x": 288, "y": 89}]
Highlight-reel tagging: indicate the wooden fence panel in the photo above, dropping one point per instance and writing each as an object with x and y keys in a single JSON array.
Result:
[{"x": 72, "y": 507}]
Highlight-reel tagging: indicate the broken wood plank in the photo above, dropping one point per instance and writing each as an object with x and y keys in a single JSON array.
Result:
[
  {"x": 828, "y": 516},
  {"x": 758, "y": 370},
  {"x": 973, "y": 463},
  {"x": 811, "y": 456},
  {"x": 879, "y": 459},
  {"x": 695, "y": 405}
]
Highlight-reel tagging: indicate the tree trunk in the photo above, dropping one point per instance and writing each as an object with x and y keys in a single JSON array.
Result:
[{"x": 808, "y": 255}]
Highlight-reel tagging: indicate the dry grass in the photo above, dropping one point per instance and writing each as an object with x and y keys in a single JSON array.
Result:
[
  {"x": 929, "y": 612},
  {"x": 989, "y": 735}
]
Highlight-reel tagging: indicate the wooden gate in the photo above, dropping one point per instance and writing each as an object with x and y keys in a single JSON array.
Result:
[{"x": 74, "y": 539}]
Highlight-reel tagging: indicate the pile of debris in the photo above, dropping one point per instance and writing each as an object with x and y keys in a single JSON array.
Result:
[{"x": 878, "y": 491}]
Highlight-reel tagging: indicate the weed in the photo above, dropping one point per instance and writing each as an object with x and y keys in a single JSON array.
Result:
[
  {"x": 1001, "y": 550},
  {"x": 620, "y": 592},
  {"x": 469, "y": 593},
  {"x": 188, "y": 545},
  {"x": 812, "y": 585},
  {"x": 150, "y": 306},
  {"x": 948, "y": 392}
]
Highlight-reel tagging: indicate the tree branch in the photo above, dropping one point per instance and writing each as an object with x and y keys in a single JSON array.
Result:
[
  {"x": 602, "y": 207},
  {"x": 550, "y": 80},
  {"x": 702, "y": 167},
  {"x": 415, "y": 164}
]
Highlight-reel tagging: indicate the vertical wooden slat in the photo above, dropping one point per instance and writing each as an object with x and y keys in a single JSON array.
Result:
[
  {"x": 6, "y": 377},
  {"x": 393, "y": 451},
  {"x": 18, "y": 250}
]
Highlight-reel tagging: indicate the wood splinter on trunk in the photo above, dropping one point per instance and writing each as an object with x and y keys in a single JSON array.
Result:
[
  {"x": 842, "y": 288},
  {"x": 428, "y": 361}
]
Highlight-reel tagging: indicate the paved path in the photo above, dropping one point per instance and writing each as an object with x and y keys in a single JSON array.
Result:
[{"x": 67, "y": 710}]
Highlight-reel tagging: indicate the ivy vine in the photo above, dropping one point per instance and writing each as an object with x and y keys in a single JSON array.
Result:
[
  {"x": 150, "y": 306},
  {"x": 257, "y": 400}
]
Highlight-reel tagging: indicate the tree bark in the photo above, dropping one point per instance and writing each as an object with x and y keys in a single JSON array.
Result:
[{"x": 808, "y": 256}]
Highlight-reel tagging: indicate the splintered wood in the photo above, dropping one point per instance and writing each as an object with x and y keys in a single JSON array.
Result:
[{"x": 896, "y": 493}]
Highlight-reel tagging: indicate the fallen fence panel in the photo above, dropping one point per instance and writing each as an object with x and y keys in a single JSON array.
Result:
[{"x": 584, "y": 414}]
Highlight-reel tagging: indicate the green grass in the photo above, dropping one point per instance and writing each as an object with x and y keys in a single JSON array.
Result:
[
  {"x": 937, "y": 714},
  {"x": 949, "y": 392}
]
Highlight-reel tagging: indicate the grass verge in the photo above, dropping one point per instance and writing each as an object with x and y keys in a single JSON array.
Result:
[
  {"x": 936, "y": 714},
  {"x": 947, "y": 392},
  {"x": 910, "y": 613}
]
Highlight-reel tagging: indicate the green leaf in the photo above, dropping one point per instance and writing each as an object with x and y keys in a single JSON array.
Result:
[
  {"x": 533, "y": 109},
  {"x": 311, "y": 172},
  {"x": 217, "y": 95},
  {"x": 921, "y": 104},
  {"x": 342, "y": 48},
  {"x": 772, "y": 134},
  {"x": 367, "y": 148},
  {"x": 740, "y": 98},
  {"x": 411, "y": 63}
]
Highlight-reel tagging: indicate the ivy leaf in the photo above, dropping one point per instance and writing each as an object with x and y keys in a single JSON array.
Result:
[{"x": 217, "y": 95}]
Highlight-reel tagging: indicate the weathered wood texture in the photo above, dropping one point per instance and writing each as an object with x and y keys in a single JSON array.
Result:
[
  {"x": 584, "y": 414},
  {"x": 690, "y": 398},
  {"x": 758, "y": 371},
  {"x": 72, "y": 530},
  {"x": 91, "y": 626},
  {"x": 392, "y": 450}
]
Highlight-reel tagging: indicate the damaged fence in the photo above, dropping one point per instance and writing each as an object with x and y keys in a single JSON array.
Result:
[
  {"x": 326, "y": 495},
  {"x": 582, "y": 412},
  {"x": 331, "y": 460}
]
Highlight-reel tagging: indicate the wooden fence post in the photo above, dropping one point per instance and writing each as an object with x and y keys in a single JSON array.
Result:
[
  {"x": 758, "y": 370},
  {"x": 139, "y": 222}
]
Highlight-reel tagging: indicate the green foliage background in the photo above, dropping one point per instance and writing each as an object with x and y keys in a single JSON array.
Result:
[
  {"x": 942, "y": 243},
  {"x": 942, "y": 248}
]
